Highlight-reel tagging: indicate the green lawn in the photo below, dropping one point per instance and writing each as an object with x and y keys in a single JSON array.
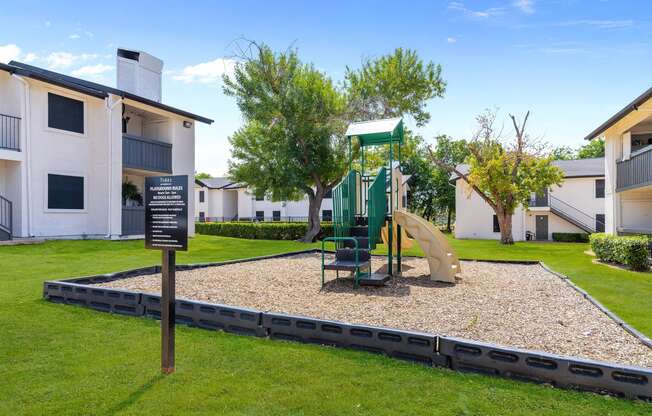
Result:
[{"x": 58, "y": 359}]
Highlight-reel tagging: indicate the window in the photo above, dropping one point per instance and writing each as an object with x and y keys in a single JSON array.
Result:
[
  {"x": 201, "y": 196},
  {"x": 260, "y": 197},
  {"x": 496, "y": 224},
  {"x": 327, "y": 215},
  {"x": 260, "y": 215},
  {"x": 599, "y": 223},
  {"x": 599, "y": 188},
  {"x": 329, "y": 194},
  {"x": 202, "y": 216},
  {"x": 65, "y": 113},
  {"x": 276, "y": 215},
  {"x": 65, "y": 192}
]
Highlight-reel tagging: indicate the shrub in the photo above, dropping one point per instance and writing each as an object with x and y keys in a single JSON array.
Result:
[
  {"x": 630, "y": 251},
  {"x": 571, "y": 237},
  {"x": 261, "y": 230}
]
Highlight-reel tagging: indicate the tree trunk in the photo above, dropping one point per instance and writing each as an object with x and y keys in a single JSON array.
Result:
[
  {"x": 448, "y": 220},
  {"x": 505, "y": 223},
  {"x": 314, "y": 224}
]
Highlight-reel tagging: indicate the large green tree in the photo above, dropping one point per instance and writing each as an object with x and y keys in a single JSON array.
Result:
[
  {"x": 292, "y": 141},
  {"x": 505, "y": 174},
  {"x": 393, "y": 85},
  {"x": 595, "y": 148},
  {"x": 431, "y": 193}
]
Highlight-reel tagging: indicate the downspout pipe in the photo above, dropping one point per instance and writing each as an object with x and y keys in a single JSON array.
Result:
[
  {"x": 27, "y": 149},
  {"x": 109, "y": 111}
]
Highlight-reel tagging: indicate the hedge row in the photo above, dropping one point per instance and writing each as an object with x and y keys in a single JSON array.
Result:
[
  {"x": 571, "y": 237},
  {"x": 630, "y": 251},
  {"x": 260, "y": 230}
]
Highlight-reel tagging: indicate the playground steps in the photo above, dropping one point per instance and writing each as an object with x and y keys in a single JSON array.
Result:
[{"x": 346, "y": 265}]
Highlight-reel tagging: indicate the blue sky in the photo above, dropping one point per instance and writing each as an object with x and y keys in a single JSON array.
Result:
[{"x": 571, "y": 63}]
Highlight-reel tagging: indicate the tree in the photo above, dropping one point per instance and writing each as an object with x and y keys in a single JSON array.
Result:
[
  {"x": 563, "y": 153},
  {"x": 292, "y": 142},
  {"x": 505, "y": 175},
  {"x": 394, "y": 85},
  {"x": 595, "y": 148},
  {"x": 202, "y": 175},
  {"x": 431, "y": 193}
]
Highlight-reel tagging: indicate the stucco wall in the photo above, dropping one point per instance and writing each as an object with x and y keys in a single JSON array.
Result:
[
  {"x": 474, "y": 217},
  {"x": 636, "y": 209}
]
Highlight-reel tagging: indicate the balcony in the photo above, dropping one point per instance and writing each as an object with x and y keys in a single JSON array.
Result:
[
  {"x": 146, "y": 154},
  {"x": 636, "y": 171},
  {"x": 9, "y": 132}
]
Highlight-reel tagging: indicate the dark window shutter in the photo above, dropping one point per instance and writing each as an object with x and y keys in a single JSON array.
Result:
[
  {"x": 65, "y": 192},
  {"x": 496, "y": 224},
  {"x": 599, "y": 223},
  {"x": 65, "y": 113},
  {"x": 599, "y": 188}
]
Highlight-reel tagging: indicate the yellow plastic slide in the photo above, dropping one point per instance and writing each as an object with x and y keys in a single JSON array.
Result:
[
  {"x": 443, "y": 261},
  {"x": 406, "y": 242}
]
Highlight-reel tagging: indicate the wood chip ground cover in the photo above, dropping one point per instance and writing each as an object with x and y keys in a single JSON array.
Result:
[{"x": 508, "y": 304}]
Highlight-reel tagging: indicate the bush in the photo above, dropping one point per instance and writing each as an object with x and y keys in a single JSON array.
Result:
[
  {"x": 630, "y": 251},
  {"x": 571, "y": 237},
  {"x": 261, "y": 230}
]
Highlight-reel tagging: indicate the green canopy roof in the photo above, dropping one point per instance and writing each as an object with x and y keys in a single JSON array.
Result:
[{"x": 375, "y": 132}]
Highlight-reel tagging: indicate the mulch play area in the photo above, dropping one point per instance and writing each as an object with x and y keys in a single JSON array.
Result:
[{"x": 513, "y": 305}]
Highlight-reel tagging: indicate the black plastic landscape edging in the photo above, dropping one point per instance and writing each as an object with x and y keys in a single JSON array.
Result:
[{"x": 430, "y": 349}]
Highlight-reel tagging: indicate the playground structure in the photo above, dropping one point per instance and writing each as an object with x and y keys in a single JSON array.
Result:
[{"x": 369, "y": 208}]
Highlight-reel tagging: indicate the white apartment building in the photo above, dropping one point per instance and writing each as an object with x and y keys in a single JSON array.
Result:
[
  {"x": 67, "y": 146},
  {"x": 628, "y": 167},
  {"x": 576, "y": 206},
  {"x": 220, "y": 199}
]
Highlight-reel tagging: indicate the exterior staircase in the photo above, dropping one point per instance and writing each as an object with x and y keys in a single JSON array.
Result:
[
  {"x": 573, "y": 215},
  {"x": 6, "y": 219}
]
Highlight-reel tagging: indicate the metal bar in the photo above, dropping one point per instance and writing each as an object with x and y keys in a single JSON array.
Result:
[
  {"x": 168, "y": 312},
  {"x": 390, "y": 223}
]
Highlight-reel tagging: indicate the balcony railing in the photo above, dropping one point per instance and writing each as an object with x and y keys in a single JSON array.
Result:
[
  {"x": 9, "y": 132},
  {"x": 146, "y": 154},
  {"x": 133, "y": 220},
  {"x": 636, "y": 171}
]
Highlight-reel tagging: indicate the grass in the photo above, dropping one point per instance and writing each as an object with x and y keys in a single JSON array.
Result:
[{"x": 58, "y": 359}]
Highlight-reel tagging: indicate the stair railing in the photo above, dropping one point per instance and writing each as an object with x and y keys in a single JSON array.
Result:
[
  {"x": 377, "y": 207},
  {"x": 6, "y": 215},
  {"x": 344, "y": 205},
  {"x": 574, "y": 215}
]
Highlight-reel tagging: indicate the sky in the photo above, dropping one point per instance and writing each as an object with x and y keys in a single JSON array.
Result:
[{"x": 571, "y": 63}]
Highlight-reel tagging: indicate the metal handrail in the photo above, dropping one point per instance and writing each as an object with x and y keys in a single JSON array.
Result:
[
  {"x": 582, "y": 218},
  {"x": 9, "y": 132},
  {"x": 6, "y": 215},
  {"x": 357, "y": 259}
]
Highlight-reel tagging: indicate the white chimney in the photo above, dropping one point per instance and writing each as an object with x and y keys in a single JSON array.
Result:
[{"x": 139, "y": 73}]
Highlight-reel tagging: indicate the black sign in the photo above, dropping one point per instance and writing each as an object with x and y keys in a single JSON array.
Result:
[{"x": 166, "y": 212}]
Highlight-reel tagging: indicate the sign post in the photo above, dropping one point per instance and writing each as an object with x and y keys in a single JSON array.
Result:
[{"x": 166, "y": 229}]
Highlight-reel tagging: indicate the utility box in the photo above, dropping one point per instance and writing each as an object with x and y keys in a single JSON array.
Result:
[{"x": 139, "y": 73}]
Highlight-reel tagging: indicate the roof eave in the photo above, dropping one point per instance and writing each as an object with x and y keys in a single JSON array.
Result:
[{"x": 633, "y": 106}]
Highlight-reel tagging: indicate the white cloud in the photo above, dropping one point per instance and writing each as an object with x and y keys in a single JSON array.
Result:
[
  {"x": 601, "y": 24},
  {"x": 92, "y": 70},
  {"x": 74, "y": 36},
  {"x": 207, "y": 72},
  {"x": 451, "y": 40},
  {"x": 477, "y": 14},
  {"x": 63, "y": 60},
  {"x": 30, "y": 57},
  {"x": 526, "y": 6},
  {"x": 9, "y": 52},
  {"x": 47, "y": 23}
]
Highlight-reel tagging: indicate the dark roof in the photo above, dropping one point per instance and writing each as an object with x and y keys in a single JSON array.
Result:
[
  {"x": 633, "y": 106},
  {"x": 89, "y": 88},
  {"x": 219, "y": 183},
  {"x": 576, "y": 168}
]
